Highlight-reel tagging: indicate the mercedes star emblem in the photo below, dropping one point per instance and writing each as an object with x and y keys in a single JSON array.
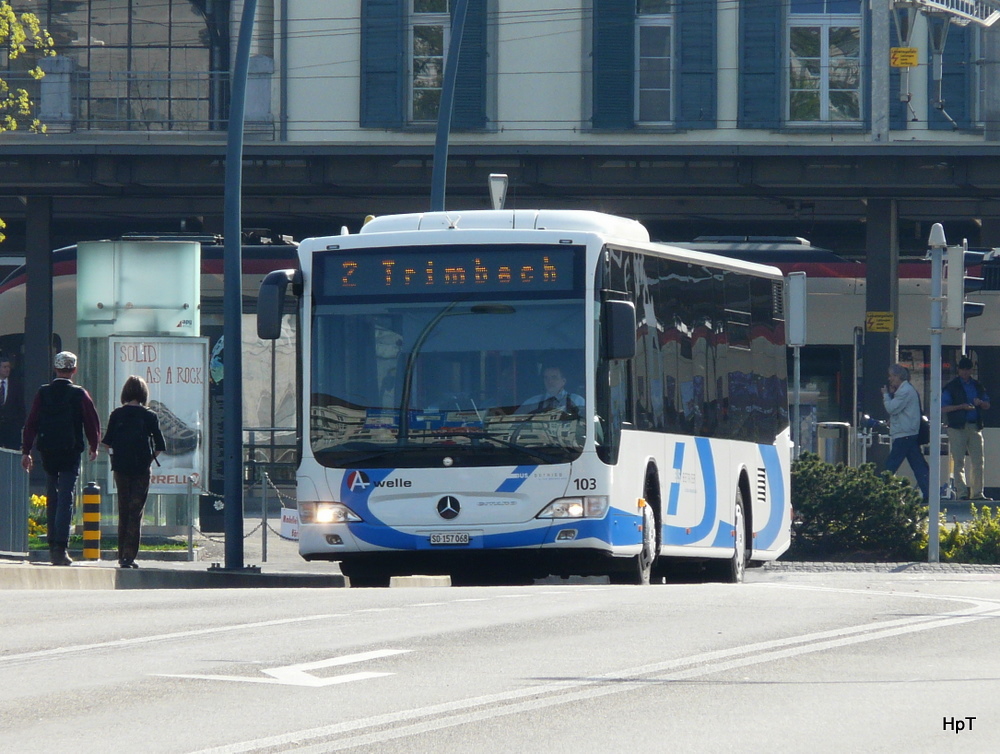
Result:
[{"x": 448, "y": 507}]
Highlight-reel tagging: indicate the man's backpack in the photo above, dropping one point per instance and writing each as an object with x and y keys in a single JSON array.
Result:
[
  {"x": 60, "y": 419},
  {"x": 131, "y": 444}
]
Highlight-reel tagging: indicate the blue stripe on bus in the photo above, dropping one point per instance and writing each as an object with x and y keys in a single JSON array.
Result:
[
  {"x": 682, "y": 535},
  {"x": 767, "y": 536},
  {"x": 675, "y": 486},
  {"x": 517, "y": 477},
  {"x": 724, "y": 535},
  {"x": 387, "y": 537}
]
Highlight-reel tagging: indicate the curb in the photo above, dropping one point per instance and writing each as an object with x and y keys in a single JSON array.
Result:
[
  {"x": 898, "y": 567},
  {"x": 98, "y": 577},
  {"x": 111, "y": 556}
]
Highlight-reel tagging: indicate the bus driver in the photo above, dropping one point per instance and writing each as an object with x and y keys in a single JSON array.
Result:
[{"x": 554, "y": 397}]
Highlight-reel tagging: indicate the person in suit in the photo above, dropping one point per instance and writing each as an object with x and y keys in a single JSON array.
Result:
[{"x": 11, "y": 406}]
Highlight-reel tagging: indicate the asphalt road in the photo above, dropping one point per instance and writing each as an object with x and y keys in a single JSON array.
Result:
[{"x": 791, "y": 661}]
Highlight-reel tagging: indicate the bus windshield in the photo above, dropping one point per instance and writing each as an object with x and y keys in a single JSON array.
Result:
[{"x": 475, "y": 380}]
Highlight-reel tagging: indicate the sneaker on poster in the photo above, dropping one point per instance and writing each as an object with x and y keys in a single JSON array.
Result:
[{"x": 178, "y": 437}]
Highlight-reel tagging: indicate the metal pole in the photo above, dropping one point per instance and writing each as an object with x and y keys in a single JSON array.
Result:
[
  {"x": 937, "y": 244},
  {"x": 439, "y": 172},
  {"x": 880, "y": 18},
  {"x": 263, "y": 515},
  {"x": 190, "y": 507},
  {"x": 796, "y": 392},
  {"x": 232, "y": 330}
]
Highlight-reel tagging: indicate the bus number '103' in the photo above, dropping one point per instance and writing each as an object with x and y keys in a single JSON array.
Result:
[{"x": 585, "y": 484}]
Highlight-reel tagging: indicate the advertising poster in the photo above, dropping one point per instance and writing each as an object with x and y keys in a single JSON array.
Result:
[{"x": 175, "y": 369}]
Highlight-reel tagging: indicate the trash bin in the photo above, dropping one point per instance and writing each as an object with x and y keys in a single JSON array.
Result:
[
  {"x": 211, "y": 514},
  {"x": 832, "y": 441}
]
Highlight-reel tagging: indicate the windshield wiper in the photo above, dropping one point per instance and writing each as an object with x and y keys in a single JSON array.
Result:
[{"x": 483, "y": 435}]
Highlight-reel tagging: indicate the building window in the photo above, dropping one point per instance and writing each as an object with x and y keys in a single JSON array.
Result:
[
  {"x": 142, "y": 64},
  {"x": 824, "y": 61},
  {"x": 654, "y": 58},
  {"x": 430, "y": 26}
]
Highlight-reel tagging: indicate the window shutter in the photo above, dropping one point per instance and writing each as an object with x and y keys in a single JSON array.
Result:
[
  {"x": 957, "y": 77},
  {"x": 696, "y": 64},
  {"x": 470, "y": 82},
  {"x": 865, "y": 102},
  {"x": 383, "y": 63},
  {"x": 614, "y": 60},
  {"x": 761, "y": 55}
]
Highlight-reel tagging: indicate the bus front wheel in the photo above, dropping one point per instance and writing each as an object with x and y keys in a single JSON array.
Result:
[
  {"x": 365, "y": 576},
  {"x": 640, "y": 567}
]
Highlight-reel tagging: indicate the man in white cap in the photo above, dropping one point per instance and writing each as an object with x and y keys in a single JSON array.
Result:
[{"x": 62, "y": 416}]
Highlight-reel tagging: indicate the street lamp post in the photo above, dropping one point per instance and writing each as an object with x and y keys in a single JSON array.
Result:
[
  {"x": 936, "y": 244},
  {"x": 232, "y": 295}
]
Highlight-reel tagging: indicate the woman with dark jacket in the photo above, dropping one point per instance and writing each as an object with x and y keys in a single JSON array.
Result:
[{"x": 135, "y": 441}]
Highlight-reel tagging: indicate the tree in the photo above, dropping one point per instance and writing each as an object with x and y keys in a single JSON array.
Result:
[{"x": 18, "y": 33}]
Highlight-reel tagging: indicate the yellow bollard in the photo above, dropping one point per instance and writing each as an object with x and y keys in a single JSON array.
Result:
[{"x": 92, "y": 522}]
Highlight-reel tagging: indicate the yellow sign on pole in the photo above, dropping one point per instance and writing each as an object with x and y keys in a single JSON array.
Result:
[
  {"x": 903, "y": 57},
  {"x": 880, "y": 321}
]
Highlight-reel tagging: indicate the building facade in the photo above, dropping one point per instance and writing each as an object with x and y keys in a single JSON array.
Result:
[{"x": 736, "y": 117}]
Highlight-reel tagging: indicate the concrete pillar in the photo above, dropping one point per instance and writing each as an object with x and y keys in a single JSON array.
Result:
[
  {"x": 881, "y": 295},
  {"x": 38, "y": 304},
  {"x": 259, "y": 120},
  {"x": 55, "y": 105}
]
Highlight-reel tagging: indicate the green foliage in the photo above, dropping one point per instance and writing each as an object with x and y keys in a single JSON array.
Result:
[
  {"x": 18, "y": 34},
  {"x": 859, "y": 513},
  {"x": 975, "y": 541},
  {"x": 36, "y": 516}
]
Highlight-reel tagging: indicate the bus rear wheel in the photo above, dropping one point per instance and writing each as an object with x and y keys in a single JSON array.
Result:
[{"x": 640, "y": 567}]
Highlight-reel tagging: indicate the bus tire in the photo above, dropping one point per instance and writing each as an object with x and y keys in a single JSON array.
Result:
[
  {"x": 733, "y": 569},
  {"x": 365, "y": 576},
  {"x": 640, "y": 567}
]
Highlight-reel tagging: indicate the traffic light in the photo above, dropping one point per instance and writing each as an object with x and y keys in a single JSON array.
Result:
[{"x": 958, "y": 310}]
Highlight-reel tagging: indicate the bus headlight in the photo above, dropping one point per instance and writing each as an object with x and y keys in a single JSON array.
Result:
[
  {"x": 326, "y": 513},
  {"x": 591, "y": 506}
]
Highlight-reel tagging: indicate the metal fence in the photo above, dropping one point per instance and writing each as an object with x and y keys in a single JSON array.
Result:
[{"x": 13, "y": 504}]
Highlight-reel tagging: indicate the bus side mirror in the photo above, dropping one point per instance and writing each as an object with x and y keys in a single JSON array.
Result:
[
  {"x": 271, "y": 301},
  {"x": 619, "y": 330}
]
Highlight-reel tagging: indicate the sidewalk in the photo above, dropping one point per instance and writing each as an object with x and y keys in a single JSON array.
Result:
[{"x": 283, "y": 568}]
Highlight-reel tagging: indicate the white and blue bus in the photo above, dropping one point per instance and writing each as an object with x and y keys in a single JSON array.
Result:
[{"x": 428, "y": 343}]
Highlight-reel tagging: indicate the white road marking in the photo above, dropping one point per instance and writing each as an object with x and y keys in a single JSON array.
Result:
[
  {"x": 56, "y": 651},
  {"x": 139, "y": 640},
  {"x": 299, "y": 675},
  {"x": 562, "y": 692}
]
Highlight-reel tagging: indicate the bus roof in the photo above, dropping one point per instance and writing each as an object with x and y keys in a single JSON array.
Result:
[{"x": 512, "y": 219}]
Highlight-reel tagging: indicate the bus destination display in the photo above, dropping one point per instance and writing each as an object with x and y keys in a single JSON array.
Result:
[{"x": 420, "y": 270}]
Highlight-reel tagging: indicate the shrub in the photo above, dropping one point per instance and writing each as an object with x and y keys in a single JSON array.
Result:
[
  {"x": 975, "y": 541},
  {"x": 853, "y": 513}
]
